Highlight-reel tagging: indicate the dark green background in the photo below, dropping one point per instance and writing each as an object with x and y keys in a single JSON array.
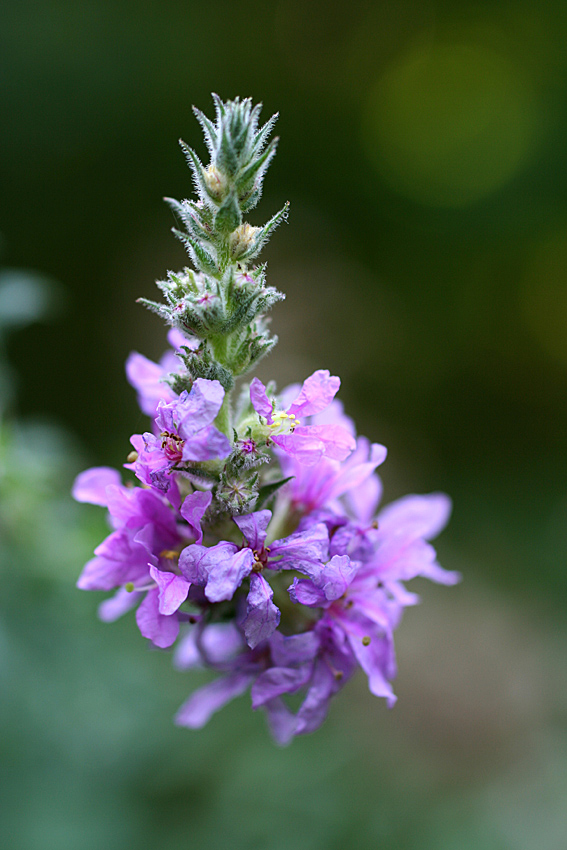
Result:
[{"x": 425, "y": 261}]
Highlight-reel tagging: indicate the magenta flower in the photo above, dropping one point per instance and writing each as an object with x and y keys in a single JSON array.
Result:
[
  {"x": 139, "y": 556},
  {"x": 185, "y": 434},
  {"x": 306, "y": 443},
  {"x": 222, "y": 568}
]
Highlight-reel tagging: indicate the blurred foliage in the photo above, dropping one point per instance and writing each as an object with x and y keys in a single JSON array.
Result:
[{"x": 426, "y": 263}]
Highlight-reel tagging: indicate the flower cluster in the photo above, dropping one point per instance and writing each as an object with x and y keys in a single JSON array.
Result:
[{"x": 253, "y": 537}]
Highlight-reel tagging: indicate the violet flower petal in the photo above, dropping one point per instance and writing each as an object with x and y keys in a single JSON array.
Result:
[
  {"x": 291, "y": 650},
  {"x": 90, "y": 486},
  {"x": 220, "y": 569},
  {"x": 113, "y": 608},
  {"x": 201, "y": 705},
  {"x": 338, "y": 443},
  {"x": 277, "y": 681},
  {"x": 304, "y": 551},
  {"x": 259, "y": 398},
  {"x": 262, "y": 616},
  {"x": 161, "y": 630},
  {"x": 147, "y": 379},
  {"x": 305, "y": 592},
  {"x": 302, "y": 446},
  {"x": 337, "y": 576},
  {"x": 423, "y": 516},
  {"x": 283, "y": 724},
  {"x": 253, "y": 527},
  {"x": 193, "y": 510},
  {"x": 172, "y": 590},
  {"x": 226, "y": 574},
  {"x": 316, "y": 394},
  {"x": 207, "y": 444}
]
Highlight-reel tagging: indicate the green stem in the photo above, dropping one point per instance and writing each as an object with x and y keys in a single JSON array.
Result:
[{"x": 224, "y": 417}]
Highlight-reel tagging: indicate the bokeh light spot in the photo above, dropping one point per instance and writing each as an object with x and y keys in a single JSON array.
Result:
[
  {"x": 544, "y": 295},
  {"x": 449, "y": 123}
]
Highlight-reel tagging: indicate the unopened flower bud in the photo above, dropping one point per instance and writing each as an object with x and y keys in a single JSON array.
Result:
[
  {"x": 242, "y": 239},
  {"x": 215, "y": 182}
]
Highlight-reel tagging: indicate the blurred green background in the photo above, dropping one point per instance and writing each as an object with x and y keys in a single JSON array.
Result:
[{"x": 425, "y": 262}]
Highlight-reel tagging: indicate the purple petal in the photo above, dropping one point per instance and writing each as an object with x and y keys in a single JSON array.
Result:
[
  {"x": 337, "y": 576},
  {"x": 303, "y": 551},
  {"x": 259, "y": 398},
  {"x": 161, "y": 630},
  {"x": 178, "y": 340},
  {"x": 193, "y": 410},
  {"x": 253, "y": 527},
  {"x": 90, "y": 486},
  {"x": 113, "y": 608},
  {"x": 283, "y": 724},
  {"x": 195, "y": 561},
  {"x": 356, "y": 472},
  {"x": 227, "y": 574},
  {"x": 303, "y": 447},
  {"x": 316, "y": 394},
  {"x": 203, "y": 703},
  {"x": 147, "y": 378},
  {"x": 290, "y": 650},
  {"x": 172, "y": 590},
  {"x": 277, "y": 681},
  {"x": 338, "y": 443},
  {"x": 193, "y": 510},
  {"x": 119, "y": 559},
  {"x": 422, "y": 516},
  {"x": 207, "y": 444},
  {"x": 304, "y": 592},
  {"x": 220, "y": 569},
  {"x": 376, "y": 658},
  {"x": 221, "y": 642},
  {"x": 262, "y": 616},
  {"x": 315, "y": 706}
]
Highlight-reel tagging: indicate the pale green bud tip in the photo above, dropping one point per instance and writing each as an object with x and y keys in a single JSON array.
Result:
[
  {"x": 242, "y": 239},
  {"x": 215, "y": 181},
  {"x": 129, "y": 586},
  {"x": 132, "y": 457},
  {"x": 365, "y": 640}
]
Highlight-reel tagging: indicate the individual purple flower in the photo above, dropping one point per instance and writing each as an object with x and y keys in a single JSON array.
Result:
[
  {"x": 221, "y": 569},
  {"x": 185, "y": 434},
  {"x": 306, "y": 443},
  {"x": 148, "y": 378},
  {"x": 323, "y": 484},
  {"x": 139, "y": 556}
]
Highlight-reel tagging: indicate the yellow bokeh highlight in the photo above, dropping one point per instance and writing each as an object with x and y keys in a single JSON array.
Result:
[
  {"x": 449, "y": 123},
  {"x": 544, "y": 295}
]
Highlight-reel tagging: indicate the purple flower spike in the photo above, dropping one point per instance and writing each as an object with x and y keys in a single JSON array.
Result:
[{"x": 182, "y": 550}]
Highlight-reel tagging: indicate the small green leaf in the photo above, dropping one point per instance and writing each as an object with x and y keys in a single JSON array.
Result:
[{"x": 268, "y": 490}]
